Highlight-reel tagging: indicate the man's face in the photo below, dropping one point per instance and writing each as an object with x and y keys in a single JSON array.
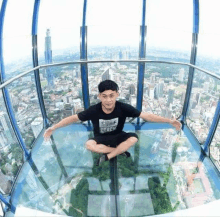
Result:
[{"x": 108, "y": 98}]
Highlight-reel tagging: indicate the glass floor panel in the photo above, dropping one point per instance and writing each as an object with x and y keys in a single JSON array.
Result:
[{"x": 165, "y": 173}]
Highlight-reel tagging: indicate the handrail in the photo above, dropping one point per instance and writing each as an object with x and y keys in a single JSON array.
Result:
[{"x": 106, "y": 61}]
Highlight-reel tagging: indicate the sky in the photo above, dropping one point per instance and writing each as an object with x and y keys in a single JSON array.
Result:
[{"x": 110, "y": 23}]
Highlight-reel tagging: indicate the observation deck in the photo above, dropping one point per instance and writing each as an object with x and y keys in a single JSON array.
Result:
[{"x": 169, "y": 173}]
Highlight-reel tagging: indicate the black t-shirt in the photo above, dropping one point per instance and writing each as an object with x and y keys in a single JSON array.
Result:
[{"x": 108, "y": 124}]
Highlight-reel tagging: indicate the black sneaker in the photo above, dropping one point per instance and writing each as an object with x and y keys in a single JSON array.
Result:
[
  {"x": 102, "y": 159},
  {"x": 126, "y": 154}
]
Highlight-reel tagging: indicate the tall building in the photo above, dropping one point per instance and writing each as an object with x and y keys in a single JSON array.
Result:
[
  {"x": 5, "y": 127},
  {"x": 48, "y": 59},
  {"x": 131, "y": 89},
  {"x": 159, "y": 90},
  {"x": 3, "y": 139},
  {"x": 37, "y": 126},
  {"x": 170, "y": 96},
  {"x": 107, "y": 74},
  {"x": 120, "y": 55}
]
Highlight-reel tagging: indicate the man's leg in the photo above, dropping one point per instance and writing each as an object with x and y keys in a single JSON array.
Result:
[
  {"x": 122, "y": 147},
  {"x": 98, "y": 148}
]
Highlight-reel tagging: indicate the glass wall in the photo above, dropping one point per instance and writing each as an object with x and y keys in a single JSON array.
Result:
[
  {"x": 59, "y": 31},
  {"x": 209, "y": 33},
  {"x": 17, "y": 40},
  {"x": 62, "y": 91},
  {"x": 169, "y": 30},
  {"x": 11, "y": 156},
  {"x": 113, "y": 29},
  {"x": 164, "y": 89},
  {"x": 26, "y": 108},
  {"x": 215, "y": 147},
  {"x": 202, "y": 106}
]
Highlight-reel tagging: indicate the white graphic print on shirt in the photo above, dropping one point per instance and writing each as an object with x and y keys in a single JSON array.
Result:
[{"x": 108, "y": 125}]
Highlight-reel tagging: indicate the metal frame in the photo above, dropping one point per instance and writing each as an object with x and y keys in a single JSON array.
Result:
[
  {"x": 84, "y": 77},
  {"x": 35, "y": 63},
  {"x": 83, "y": 56},
  {"x": 107, "y": 61},
  {"x": 141, "y": 65},
  {"x": 192, "y": 59}
]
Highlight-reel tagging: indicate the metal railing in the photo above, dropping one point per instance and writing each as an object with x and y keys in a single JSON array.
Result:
[{"x": 106, "y": 61}]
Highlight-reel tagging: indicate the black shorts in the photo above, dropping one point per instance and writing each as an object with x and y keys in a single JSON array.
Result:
[{"x": 113, "y": 140}]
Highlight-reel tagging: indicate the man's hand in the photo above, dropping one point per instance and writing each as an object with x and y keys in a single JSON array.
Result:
[
  {"x": 48, "y": 133},
  {"x": 176, "y": 124}
]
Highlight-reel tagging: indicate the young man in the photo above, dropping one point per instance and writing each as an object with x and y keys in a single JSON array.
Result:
[{"x": 108, "y": 118}]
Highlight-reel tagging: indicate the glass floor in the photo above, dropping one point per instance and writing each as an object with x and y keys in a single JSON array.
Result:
[{"x": 164, "y": 174}]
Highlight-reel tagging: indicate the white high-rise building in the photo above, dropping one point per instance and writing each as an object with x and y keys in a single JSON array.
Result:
[
  {"x": 5, "y": 124},
  {"x": 181, "y": 74},
  {"x": 37, "y": 126},
  {"x": 3, "y": 139}
]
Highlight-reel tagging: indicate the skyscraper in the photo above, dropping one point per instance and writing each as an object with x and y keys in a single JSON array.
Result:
[
  {"x": 48, "y": 59},
  {"x": 107, "y": 74},
  {"x": 170, "y": 96},
  {"x": 6, "y": 130}
]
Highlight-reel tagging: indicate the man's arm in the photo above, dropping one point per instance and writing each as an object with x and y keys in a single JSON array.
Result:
[
  {"x": 155, "y": 118},
  {"x": 62, "y": 123}
]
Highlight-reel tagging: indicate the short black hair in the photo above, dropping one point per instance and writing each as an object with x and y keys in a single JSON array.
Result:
[{"x": 107, "y": 85}]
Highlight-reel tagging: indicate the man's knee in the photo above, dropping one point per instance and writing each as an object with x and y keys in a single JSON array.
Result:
[
  {"x": 132, "y": 140},
  {"x": 90, "y": 144}
]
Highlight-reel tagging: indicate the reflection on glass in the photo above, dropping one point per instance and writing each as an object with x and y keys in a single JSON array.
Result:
[
  {"x": 65, "y": 97},
  {"x": 68, "y": 179},
  {"x": 165, "y": 175},
  {"x": 215, "y": 147},
  {"x": 124, "y": 74},
  {"x": 164, "y": 89},
  {"x": 11, "y": 157},
  {"x": 202, "y": 106},
  {"x": 26, "y": 108}
]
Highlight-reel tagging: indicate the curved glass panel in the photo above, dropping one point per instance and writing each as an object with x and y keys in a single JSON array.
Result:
[
  {"x": 113, "y": 42},
  {"x": 169, "y": 30},
  {"x": 63, "y": 20},
  {"x": 118, "y": 29},
  {"x": 124, "y": 74},
  {"x": 164, "y": 89},
  {"x": 62, "y": 91},
  {"x": 215, "y": 147},
  {"x": 11, "y": 156},
  {"x": 114, "y": 12},
  {"x": 208, "y": 41},
  {"x": 26, "y": 108},
  {"x": 170, "y": 14},
  {"x": 17, "y": 41},
  {"x": 168, "y": 45},
  {"x": 202, "y": 105}
]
